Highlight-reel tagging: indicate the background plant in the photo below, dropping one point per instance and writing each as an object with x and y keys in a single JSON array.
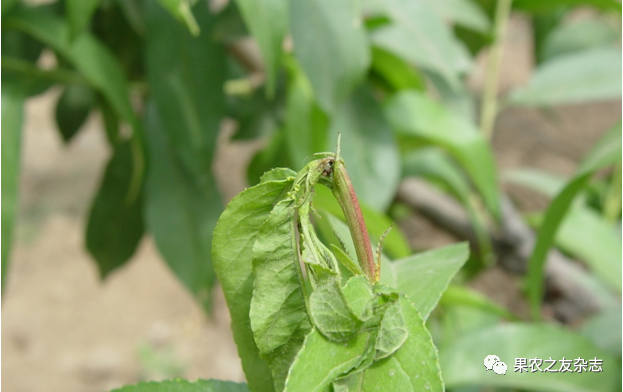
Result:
[{"x": 164, "y": 74}]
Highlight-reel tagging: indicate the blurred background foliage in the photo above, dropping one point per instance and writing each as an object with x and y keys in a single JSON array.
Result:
[{"x": 390, "y": 77}]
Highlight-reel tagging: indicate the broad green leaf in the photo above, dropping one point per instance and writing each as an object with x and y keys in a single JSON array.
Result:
[
  {"x": 12, "y": 118},
  {"x": 464, "y": 13},
  {"x": 96, "y": 64},
  {"x": 115, "y": 224},
  {"x": 179, "y": 385},
  {"x": 180, "y": 211},
  {"x": 462, "y": 361},
  {"x": 306, "y": 124},
  {"x": 329, "y": 359},
  {"x": 395, "y": 71},
  {"x": 186, "y": 76},
  {"x": 181, "y": 10},
  {"x": 369, "y": 149},
  {"x": 606, "y": 152},
  {"x": 72, "y": 110},
  {"x": 414, "y": 367},
  {"x": 603, "y": 330},
  {"x": 359, "y": 296},
  {"x": 589, "y": 75},
  {"x": 278, "y": 313},
  {"x": 409, "y": 36},
  {"x": 424, "y": 276},
  {"x": 331, "y": 314},
  {"x": 575, "y": 37},
  {"x": 233, "y": 240},
  {"x": 79, "y": 13},
  {"x": 278, "y": 174},
  {"x": 586, "y": 234},
  {"x": 331, "y": 46},
  {"x": 392, "y": 332},
  {"x": 414, "y": 115},
  {"x": 268, "y": 22},
  {"x": 395, "y": 243}
]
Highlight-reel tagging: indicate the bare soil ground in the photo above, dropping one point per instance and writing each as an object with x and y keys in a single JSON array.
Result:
[{"x": 64, "y": 330}]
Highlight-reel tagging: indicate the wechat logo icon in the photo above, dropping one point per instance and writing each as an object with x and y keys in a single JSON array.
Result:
[{"x": 492, "y": 362}]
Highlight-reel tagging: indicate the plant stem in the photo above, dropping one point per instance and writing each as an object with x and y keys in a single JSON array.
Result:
[
  {"x": 345, "y": 194},
  {"x": 489, "y": 100}
]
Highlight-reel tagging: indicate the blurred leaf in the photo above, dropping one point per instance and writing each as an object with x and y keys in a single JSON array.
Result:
[
  {"x": 179, "y": 385},
  {"x": 306, "y": 125},
  {"x": 186, "y": 76},
  {"x": 20, "y": 53},
  {"x": 424, "y": 276},
  {"x": 12, "y": 118},
  {"x": 579, "y": 36},
  {"x": 331, "y": 46},
  {"x": 585, "y": 234},
  {"x": 395, "y": 71},
  {"x": 395, "y": 243},
  {"x": 590, "y": 75},
  {"x": 79, "y": 13},
  {"x": 7, "y": 5},
  {"x": 415, "y": 115},
  {"x": 98, "y": 66},
  {"x": 240, "y": 224},
  {"x": 456, "y": 295},
  {"x": 369, "y": 148},
  {"x": 180, "y": 212},
  {"x": 115, "y": 225},
  {"x": 72, "y": 109},
  {"x": 181, "y": 10},
  {"x": 603, "y": 329},
  {"x": 273, "y": 155},
  {"x": 538, "y": 6},
  {"x": 409, "y": 36},
  {"x": 462, "y": 361},
  {"x": 546, "y": 183},
  {"x": 606, "y": 152},
  {"x": 268, "y": 22},
  {"x": 464, "y": 13}
]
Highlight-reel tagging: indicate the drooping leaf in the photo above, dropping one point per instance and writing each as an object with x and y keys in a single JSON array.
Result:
[
  {"x": 115, "y": 224},
  {"x": 268, "y": 23},
  {"x": 369, "y": 148},
  {"x": 415, "y": 115},
  {"x": 606, "y": 152},
  {"x": 12, "y": 118},
  {"x": 186, "y": 76},
  {"x": 589, "y": 75},
  {"x": 180, "y": 211},
  {"x": 79, "y": 13},
  {"x": 462, "y": 361},
  {"x": 72, "y": 110},
  {"x": 331, "y": 46},
  {"x": 424, "y": 276},
  {"x": 181, "y": 10},
  {"x": 278, "y": 313},
  {"x": 179, "y": 385},
  {"x": 414, "y": 22},
  {"x": 466, "y": 13},
  {"x": 233, "y": 241},
  {"x": 575, "y": 37},
  {"x": 395, "y": 71}
]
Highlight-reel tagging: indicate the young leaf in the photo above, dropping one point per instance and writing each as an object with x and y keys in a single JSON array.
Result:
[
  {"x": 79, "y": 13},
  {"x": 268, "y": 22},
  {"x": 115, "y": 224},
  {"x": 462, "y": 361},
  {"x": 233, "y": 239},
  {"x": 180, "y": 211},
  {"x": 181, "y": 10},
  {"x": 179, "y": 385},
  {"x": 369, "y": 148},
  {"x": 424, "y": 276},
  {"x": 278, "y": 314},
  {"x": 72, "y": 110},
  {"x": 415, "y": 115},
  {"x": 590, "y": 75},
  {"x": 12, "y": 118},
  {"x": 331, "y": 46}
]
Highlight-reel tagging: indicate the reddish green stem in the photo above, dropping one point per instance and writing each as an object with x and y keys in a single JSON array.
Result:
[{"x": 345, "y": 194}]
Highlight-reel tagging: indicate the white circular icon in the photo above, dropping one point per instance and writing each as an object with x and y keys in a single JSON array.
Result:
[
  {"x": 499, "y": 367},
  {"x": 490, "y": 360}
]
